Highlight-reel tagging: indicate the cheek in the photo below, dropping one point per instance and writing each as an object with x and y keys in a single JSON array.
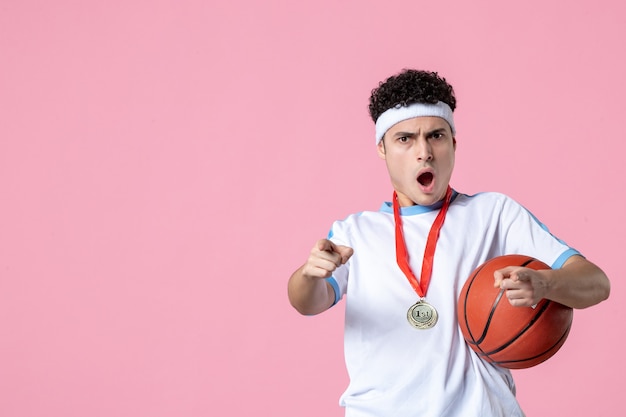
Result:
[
  {"x": 449, "y": 158},
  {"x": 399, "y": 170},
  {"x": 394, "y": 161}
]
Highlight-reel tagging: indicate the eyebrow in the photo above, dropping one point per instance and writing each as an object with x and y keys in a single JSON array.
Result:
[
  {"x": 438, "y": 130},
  {"x": 401, "y": 134},
  {"x": 413, "y": 134}
]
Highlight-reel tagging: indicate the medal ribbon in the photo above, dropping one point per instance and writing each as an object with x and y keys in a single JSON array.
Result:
[{"x": 402, "y": 255}]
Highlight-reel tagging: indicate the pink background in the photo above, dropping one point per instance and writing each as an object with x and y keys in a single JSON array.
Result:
[{"x": 166, "y": 165}]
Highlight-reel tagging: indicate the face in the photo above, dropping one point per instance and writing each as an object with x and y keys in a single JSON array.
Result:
[{"x": 419, "y": 154}]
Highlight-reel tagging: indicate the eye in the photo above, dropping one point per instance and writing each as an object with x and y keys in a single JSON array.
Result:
[
  {"x": 437, "y": 135},
  {"x": 403, "y": 139}
]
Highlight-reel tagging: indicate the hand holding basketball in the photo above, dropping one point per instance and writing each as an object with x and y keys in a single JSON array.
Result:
[
  {"x": 502, "y": 331},
  {"x": 324, "y": 258},
  {"x": 524, "y": 287}
]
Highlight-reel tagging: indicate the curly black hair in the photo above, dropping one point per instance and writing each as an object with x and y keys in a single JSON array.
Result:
[{"x": 408, "y": 87}]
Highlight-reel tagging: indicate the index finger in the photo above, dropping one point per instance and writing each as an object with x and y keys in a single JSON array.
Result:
[
  {"x": 326, "y": 245},
  {"x": 501, "y": 274}
]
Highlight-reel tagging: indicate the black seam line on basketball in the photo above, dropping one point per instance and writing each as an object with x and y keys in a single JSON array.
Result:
[
  {"x": 524, "y": 330},
  {"x": 491, "y": 313},
  {"x": 467, "y": 326},
  {"x": 563, "y": 336},
  {"x": 493, "y": 308},
  {"x": 471, "y": 281}
]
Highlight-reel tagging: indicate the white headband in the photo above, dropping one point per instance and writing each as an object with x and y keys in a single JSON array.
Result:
[{"x": 399, "y": 113}]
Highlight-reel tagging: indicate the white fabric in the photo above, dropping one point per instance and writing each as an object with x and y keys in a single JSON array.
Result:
[
  {"x": 399, "y": 113},
  {"x": 396, "y": 370}
]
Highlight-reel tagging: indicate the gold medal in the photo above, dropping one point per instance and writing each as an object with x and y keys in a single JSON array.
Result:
[{"x": 422, "y": 315}]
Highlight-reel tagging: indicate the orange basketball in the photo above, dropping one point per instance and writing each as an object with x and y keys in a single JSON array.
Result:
[{"x": 511, "y": 337}]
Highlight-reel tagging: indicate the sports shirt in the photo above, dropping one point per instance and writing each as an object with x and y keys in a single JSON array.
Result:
[{"x": 397, "y": 370}]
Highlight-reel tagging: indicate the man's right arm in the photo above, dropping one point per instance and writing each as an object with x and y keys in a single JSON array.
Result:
[{"x": 308, "y": 290}]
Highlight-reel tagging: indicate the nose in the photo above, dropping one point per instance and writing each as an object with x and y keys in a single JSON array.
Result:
[{"x": 423, "y": 150}]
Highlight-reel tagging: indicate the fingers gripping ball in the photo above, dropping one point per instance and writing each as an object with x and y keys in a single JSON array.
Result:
[{"x": 511, "y": 337}]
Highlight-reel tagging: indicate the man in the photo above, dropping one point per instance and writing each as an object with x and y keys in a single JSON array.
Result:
[{"x": 405, "y": 353}]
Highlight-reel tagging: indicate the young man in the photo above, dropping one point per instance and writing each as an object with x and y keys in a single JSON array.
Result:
[{"x": 405, "y": 353}]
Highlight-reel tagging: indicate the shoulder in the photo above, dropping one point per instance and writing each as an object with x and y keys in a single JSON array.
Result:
[
  {"x": 358, "y": 217},
  {"x": 489, "y": 204},
  {"x": 362, "y": 221},
  {"x": 484, "y": 196},
  {"x": 483, "y": 199}
]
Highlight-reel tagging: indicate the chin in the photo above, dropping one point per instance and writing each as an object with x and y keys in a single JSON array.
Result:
[
  {"x": 430, "y": 198},
  {"x": 428, "y": 201},
  {"x": 419, "y": 200},
  {"x": 418, "y": 197}
]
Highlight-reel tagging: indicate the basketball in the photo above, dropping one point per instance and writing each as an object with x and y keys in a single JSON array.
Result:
[{"x": 507, "y": 336}]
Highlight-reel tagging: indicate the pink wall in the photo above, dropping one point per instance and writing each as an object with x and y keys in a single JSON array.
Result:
[{"x": 165, "y": 166}]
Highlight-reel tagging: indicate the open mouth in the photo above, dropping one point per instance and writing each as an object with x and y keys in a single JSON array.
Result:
[{"x": 425, "y": 179}]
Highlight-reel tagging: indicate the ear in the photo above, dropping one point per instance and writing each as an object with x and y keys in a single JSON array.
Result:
[
  {"x": 380, "y": 148},
  {"x": 454, "y": 143}
]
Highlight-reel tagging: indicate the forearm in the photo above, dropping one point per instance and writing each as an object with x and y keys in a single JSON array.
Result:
[
  {"x": 309, "y": 295},
  {"x": 578, "y": 284}
]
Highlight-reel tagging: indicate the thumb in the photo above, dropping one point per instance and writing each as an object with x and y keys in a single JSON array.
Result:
[{"x": 345, "y": 252}]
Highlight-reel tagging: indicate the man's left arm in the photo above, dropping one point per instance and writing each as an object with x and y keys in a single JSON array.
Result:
[{"x": 578, "y": 284}]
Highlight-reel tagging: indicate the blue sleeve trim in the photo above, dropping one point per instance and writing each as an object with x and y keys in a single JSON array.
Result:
[
  {"x": 333, "y": 283},
  {"x": 564, "y": 257}
]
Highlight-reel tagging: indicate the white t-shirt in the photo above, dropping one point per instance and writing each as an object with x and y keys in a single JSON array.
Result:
[{"x": 397, "y": 370}]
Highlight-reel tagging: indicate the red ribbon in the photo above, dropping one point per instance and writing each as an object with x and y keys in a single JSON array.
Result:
[{"x": 402, "y": 255}]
